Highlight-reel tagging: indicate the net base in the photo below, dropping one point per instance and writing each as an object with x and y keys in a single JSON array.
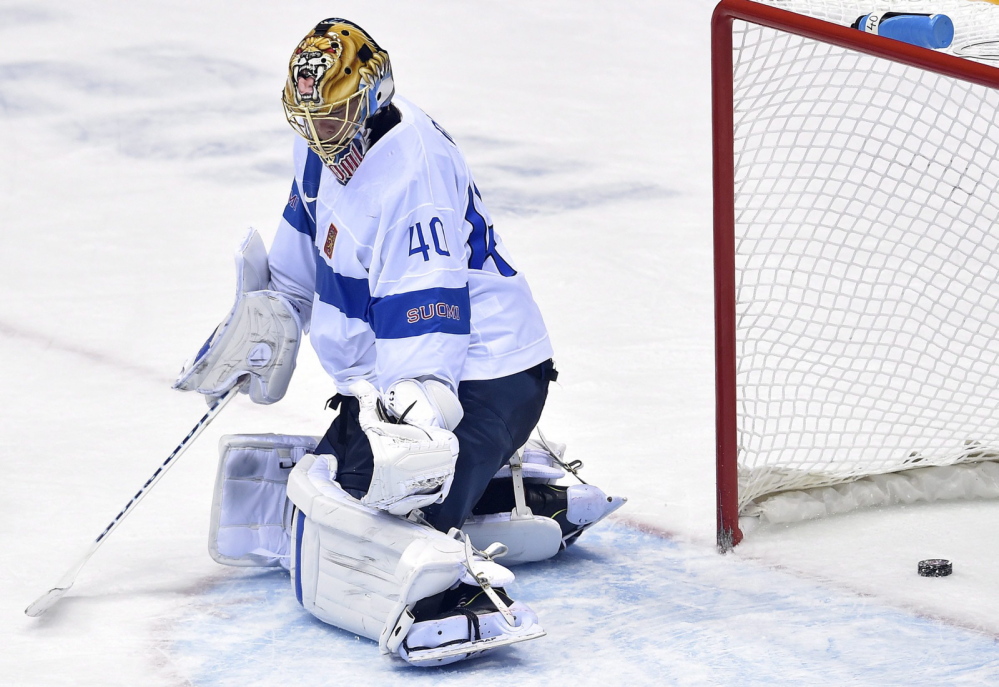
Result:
[{"x": 921, "y": 485}]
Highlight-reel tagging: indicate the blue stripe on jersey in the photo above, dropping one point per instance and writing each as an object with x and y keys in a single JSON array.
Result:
[
  {"x": 347, "y": 294},
  {"x": 296, "y": 215},
  {"x": 403, "y": 315},
  {"x": 482, "y": 240}
]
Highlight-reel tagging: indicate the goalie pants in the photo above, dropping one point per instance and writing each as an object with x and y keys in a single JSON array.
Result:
[{"x": 500, "y": 415}]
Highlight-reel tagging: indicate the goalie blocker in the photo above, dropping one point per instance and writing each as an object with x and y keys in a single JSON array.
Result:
[
  {"x": 256, "y": 345},
  {"x": 418, "y": 588}
]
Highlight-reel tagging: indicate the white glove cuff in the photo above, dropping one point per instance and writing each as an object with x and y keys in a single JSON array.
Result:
[{"x": 428, "y": 403}]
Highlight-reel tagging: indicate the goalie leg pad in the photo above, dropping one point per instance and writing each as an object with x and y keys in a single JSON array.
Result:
[
  {"x": 353, "y": 564},
  {"x": 251, "y": 515},
  {"x": 527, "y": 539},
  {"x": 364, "y": 570},
  {"x": 524, "y": 509},
  {"x": 558, "y": 516}
]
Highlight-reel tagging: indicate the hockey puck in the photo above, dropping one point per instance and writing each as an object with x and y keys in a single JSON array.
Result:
[{"x": 935, "y": 567}]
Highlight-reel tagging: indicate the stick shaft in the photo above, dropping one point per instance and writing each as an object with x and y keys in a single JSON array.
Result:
[{"x": 49, "y": 598}]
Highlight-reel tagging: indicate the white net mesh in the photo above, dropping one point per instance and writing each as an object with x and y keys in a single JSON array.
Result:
[{"x": 867, "y": 258}]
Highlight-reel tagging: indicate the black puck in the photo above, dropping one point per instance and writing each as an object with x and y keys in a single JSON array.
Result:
[{"x": 935, "y": 567}]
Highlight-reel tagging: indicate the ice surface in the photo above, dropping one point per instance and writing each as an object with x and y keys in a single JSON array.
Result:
[
  {"x": 137, "y": 143},
  {"x": 661, "y": 614}
]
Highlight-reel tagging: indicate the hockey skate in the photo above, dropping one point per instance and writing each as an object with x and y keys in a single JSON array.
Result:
[
  {"x": 575, "y": 508},
  {"x": 527, "y": 511},
  {"x": 473, "y": 620},
  {"x": 470, "y": 617}
]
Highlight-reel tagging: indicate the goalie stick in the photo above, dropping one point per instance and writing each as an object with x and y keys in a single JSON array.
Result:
[{"x": 49, "y": 598}]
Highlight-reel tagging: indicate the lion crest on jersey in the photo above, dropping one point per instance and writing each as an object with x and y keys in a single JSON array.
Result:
[{"x": 330, "y": 241}]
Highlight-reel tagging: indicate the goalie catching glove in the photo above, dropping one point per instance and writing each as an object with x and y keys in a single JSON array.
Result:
[
  {"x": 413, "y": 464},
  {"x": 256, "y": 344}
]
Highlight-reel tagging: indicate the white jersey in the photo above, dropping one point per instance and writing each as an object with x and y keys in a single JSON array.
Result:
[{"x": 401, "y": 269}]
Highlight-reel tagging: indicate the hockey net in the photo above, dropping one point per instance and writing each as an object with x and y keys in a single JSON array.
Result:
[{"x": 857, "y": 258}]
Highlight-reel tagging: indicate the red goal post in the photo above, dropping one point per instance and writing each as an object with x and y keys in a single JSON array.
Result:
[{"x": 726, "y": 14}]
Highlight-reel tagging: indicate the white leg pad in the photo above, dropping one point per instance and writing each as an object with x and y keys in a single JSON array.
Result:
[
  {"x": 538, "y": 463},
  {"x": 251, "y": 515},
  {"x": 528, "y": 539},
  {"x": 354, "y": 566},
  {"x": 531, "y": 537}
]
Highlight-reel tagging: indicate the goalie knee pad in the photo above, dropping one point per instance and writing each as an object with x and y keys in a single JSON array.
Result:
[{"x": 351, "y": 564}]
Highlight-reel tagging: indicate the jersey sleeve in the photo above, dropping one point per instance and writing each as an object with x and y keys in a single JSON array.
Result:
[
  {"x": 420, "y": 309},
  {"x": 291, "y": 257}
]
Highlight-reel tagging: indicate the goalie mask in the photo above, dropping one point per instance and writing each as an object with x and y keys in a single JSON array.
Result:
[{"x": 338, "y": 76}]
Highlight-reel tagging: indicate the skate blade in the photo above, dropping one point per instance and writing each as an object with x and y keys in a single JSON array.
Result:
[{"x": 425, "y": 657}]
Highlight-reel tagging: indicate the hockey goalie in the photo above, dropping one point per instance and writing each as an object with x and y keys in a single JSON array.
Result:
[{"x": 393, "y": 524}]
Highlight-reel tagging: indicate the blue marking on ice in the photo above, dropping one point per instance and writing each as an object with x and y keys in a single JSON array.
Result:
[{"x": 620, "y": 607}]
